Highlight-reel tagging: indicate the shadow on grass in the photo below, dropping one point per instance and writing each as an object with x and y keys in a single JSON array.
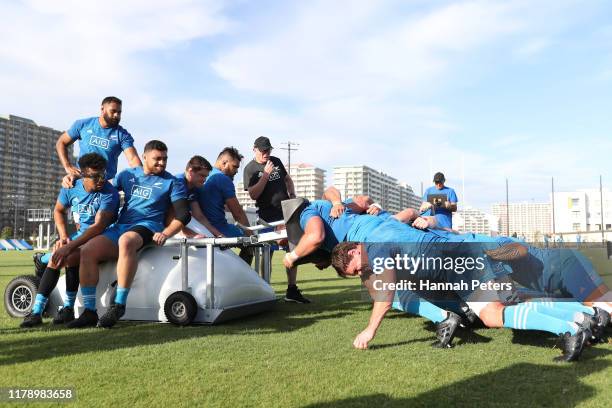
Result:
[
  {"x": 50, "y": 342},
  {"x": 521, "y": 384}
]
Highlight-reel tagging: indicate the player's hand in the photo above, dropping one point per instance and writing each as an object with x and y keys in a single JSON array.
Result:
[
  {"x": 425, "y": 206},
  {"x": 160, "y": 238},
  {"x": 448, "y": 205},
  {"x": 269, "y": 168},
  {"x": 362, "y": 339},
  {"x": 68, "y": 181},
  {"x": 59, "y": 254},
  {"x": 289, "y": 259},
  {"x": 60, "y": 243},
  {"x": 337, "y": 210},
  {"x": 373, "y": 209},
  {"x": 420, "y": 223}
]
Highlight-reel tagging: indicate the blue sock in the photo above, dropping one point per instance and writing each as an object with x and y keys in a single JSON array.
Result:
[
  {"x": 422, "y": 308},
  {"x": 39, "y": 304},
  {"x": 559, "y": 313},
  {"x": 121, "y": 296},
  {"x": 46, "y": 258},
  {"x": 571, "y": 306},
  {"x": 89, "y": 297},
  {"x": 70, "y": 298},
  {"x": 524, "y": 317}
]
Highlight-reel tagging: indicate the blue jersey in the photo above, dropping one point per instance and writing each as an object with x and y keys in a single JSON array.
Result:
[
  {"x": 393, "y": 237},
  {"x": 443, "y": 216},
  {"x": 322, "y": 209},
  {"x": 107, "y": 142},
  {"x": 191, "y": 192},
  {"x": 212, "y": 196},
  {"x": 147, "y": 197},
  {"x": 86, "y": 205},
  {"x": 364, "y": 224}
]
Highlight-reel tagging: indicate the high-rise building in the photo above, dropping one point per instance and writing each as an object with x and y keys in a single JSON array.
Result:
[
  {"x": 408, "y": 199},
  {"x": 243, "y": 196},
  {"x": 384, "y": 189},
  {"x": 470, "y": 219},
  {"x": 308, "y": 180},
  {"x": 30, "y": 171},
  {"x": 528, "y": 220}
]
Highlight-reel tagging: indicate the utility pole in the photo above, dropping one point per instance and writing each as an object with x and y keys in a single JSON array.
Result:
[{"x": 289, "y": 148}]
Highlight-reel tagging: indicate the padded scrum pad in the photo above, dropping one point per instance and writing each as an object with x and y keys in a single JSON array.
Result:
[{"x": 292, "y": 209}]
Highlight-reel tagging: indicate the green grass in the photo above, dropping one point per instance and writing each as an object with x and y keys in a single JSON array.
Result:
[{"x": 298, "y": 355}]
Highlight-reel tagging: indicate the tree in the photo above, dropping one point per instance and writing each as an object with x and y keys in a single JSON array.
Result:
[{"x": 7, "y": 232}]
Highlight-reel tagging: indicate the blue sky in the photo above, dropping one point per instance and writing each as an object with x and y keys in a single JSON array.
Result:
[{"x": 489, "y": 90}]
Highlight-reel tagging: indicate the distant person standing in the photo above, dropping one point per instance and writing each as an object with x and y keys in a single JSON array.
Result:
[
  {"x": 443, "y": 211},
  {"x": 268, "y": 183}
]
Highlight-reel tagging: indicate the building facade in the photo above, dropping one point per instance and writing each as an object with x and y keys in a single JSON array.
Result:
[
  {"x": 30, "y": 171},
  {"x": 530, "y": 221},
  {"x": 382, "y": 188},
  {"x": 474, "y": 220},
  {"x": 580, "y": 211},
  {"x": 309, "y": 181}
]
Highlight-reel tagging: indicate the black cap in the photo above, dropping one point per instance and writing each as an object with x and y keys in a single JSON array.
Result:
[
  {"x": 439, "y": 178},
  {"x": 262, "y": 143}
]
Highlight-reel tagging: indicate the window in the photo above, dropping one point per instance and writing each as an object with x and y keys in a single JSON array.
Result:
[{"x": 576, "y": 226}]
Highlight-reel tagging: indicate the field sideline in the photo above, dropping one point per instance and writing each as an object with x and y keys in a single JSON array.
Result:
[{"x": 298, "y": 355}]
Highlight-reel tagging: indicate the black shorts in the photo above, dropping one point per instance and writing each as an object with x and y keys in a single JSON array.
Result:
[{"x": 145, "y": 233}]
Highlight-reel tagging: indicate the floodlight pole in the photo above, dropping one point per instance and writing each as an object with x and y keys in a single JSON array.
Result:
[
  {"x": 552, "y": 187},
  {"x": 507, "y": 212},
  {"x": 601, "y": 209}
]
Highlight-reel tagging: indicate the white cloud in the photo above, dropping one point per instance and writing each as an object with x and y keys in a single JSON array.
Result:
[
  {"x": 317, "y": 57},
  {"x": 64, "y": 53}
]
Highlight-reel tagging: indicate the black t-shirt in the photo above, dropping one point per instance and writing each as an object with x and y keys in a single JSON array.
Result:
[{"x": 275, "y": 191}]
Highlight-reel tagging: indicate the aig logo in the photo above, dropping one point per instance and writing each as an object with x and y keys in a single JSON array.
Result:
[
  {"x": 142, "y": 192},
  {"x": 99, "y": 142},
  {"x": 86, "y": 209}
]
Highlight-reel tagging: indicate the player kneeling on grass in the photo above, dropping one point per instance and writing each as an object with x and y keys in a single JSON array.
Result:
[
  {"x": 150, "y": 192},
  {"x": 95, "y": 202}
]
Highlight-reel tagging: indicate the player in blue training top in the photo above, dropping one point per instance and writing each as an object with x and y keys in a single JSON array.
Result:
[
  {"x": 327, "y": 222},
  {"x": 194, "y": 176},
  {"x": 95, "y": 201},
  {"x": 102, "y": 135},
  {"x": 150, "y": 192},
  {"x": 572, "y": 322},
  {"x": 444, "y": 210},
  {"x": 218, "y": 192},
  {"x": 99, "y": 134}
]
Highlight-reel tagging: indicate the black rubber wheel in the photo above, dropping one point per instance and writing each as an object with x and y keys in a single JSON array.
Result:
[
  {"x": 180, "y": 308},
  {"x": 19, "y": 295}
]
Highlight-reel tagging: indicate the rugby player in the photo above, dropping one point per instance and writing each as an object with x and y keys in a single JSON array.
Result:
[
  {"x": 95, "y": 201},
  {"x": 150, "y": 191}
]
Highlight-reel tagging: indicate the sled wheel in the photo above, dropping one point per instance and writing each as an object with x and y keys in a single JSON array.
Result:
[
  {"x": 19, "y": 295},
  {"x": 180, "y": 308}
]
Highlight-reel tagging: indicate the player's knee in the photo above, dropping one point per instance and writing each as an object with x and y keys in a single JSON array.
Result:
[
  {"x": 129, "y": 243},
  {"x": 492, "y": 315}
]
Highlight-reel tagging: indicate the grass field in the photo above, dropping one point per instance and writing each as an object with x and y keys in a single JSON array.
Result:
[{"x": 297, "y": 355}]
